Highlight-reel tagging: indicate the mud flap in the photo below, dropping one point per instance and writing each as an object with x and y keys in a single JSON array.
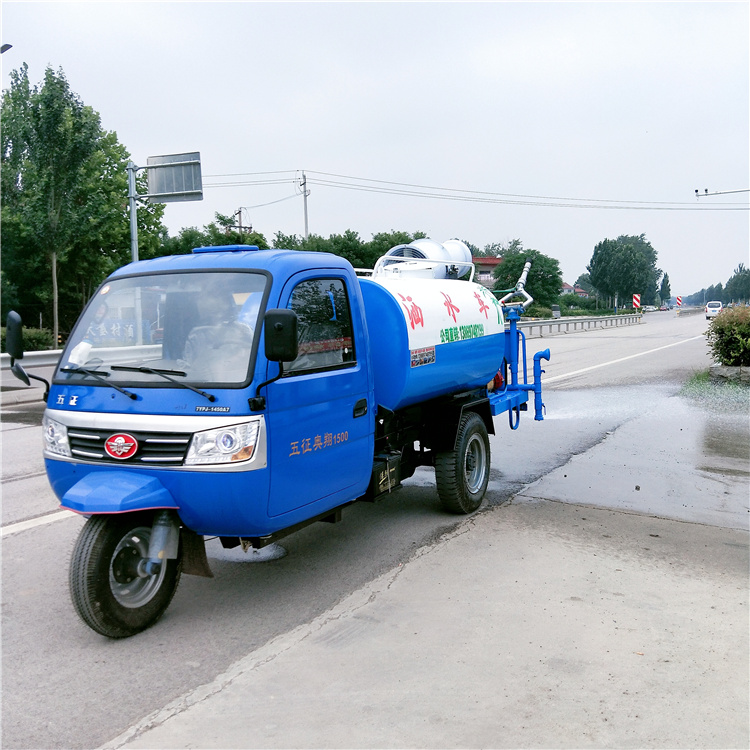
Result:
[{"x": 194, "y": 560}]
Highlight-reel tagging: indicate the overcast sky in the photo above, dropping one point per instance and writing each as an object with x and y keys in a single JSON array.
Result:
[{"x": 560, "y": 124}]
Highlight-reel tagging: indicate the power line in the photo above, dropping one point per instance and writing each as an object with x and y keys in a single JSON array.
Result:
[
  {"x": 390, "y": 187},
  {"x": 252, "y": 174},
  {"x": 495, "y": 198},
  {"x": 270, "y": 203},
  {"x": 247, "y": 183},
  {"x": 485, "y": 192}
]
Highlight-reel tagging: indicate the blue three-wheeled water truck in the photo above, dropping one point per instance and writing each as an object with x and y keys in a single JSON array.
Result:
[{"x": 243, "y": 394}]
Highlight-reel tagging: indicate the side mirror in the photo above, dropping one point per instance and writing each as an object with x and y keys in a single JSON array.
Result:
[
  {"x": 14, "y": 347},
  {"x": 14, "y": 335},
  {"x": 281, "y": 335},
  {"x": 281, "y": 346}
]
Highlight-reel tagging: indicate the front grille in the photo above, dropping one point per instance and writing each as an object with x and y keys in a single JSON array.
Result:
[{"x": 154, "y": 448}]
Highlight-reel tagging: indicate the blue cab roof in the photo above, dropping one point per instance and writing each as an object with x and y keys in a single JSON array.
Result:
[{"x": 235, "y": 257}]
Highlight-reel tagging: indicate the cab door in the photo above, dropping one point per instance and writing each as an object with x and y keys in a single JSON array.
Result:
[{"x": 321, "y": 413}]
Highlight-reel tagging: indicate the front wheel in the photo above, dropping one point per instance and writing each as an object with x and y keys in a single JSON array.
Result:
[
  {"x": 110, "y": 588},
  {"x": 463, "y": 473}
]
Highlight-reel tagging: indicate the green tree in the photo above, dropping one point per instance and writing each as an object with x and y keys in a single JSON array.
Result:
[
  {"x": 497, "y": 249},
  {"x": 737, "y": 288},
  {"x": 224, "y": 231},
  {"x": 475, "y": 251},
  {"x": 715, "y": 292},
  {"x": 665, "y": 291},
  {"x": 625, "y": 266},
  {"x": 584, "y": 282},
  {"x": 348, "y": 245},
  {"x": 287, "y": 241},
  {"x": 221, "y": 231},
  {"x": 48, "y": 136},
  {"x": 8, "y": 295},
  {"x": 544, "y": 280},
  {"x": 65, "y": 214}
]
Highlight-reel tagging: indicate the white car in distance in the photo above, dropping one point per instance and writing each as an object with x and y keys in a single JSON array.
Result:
[{"x": 713, "y": 309}]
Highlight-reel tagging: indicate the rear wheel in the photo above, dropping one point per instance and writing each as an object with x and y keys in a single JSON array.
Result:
[
  {"x": 463, "y": 473},
  {"x": 109, "y": 585}
]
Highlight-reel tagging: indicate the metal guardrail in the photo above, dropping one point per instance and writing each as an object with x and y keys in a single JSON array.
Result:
[
  {"x": 556, "y": 326},
  {"x": 48, "y": 358},
  {"x": 51, "y": 357}
]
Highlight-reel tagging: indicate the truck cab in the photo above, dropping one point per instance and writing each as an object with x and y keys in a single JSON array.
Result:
[{"x": 179, "y": 345}]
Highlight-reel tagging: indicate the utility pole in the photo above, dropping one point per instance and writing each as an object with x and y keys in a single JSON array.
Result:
[
  {"x": 305, "y": 193},
  {"x": 239, "y": 221},
  {"x": 238, "y": 215}
]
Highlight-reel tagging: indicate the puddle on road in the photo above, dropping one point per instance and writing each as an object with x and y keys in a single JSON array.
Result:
[
  {"x": 726, "y": 447},
  {"x": 22, "y": 415}
]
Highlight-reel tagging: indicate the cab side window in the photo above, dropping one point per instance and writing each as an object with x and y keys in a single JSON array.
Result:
[{"x": 324, "y": 326}]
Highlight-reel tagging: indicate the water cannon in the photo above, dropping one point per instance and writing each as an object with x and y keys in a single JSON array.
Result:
[
  {"x": 427, "y": 259},
  {"x": 519, "y": 290}
]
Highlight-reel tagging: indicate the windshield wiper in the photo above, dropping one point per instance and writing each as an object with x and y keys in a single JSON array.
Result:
[
  {"x": 99, "y": 376},
  {"x": 166, "y": 375}
]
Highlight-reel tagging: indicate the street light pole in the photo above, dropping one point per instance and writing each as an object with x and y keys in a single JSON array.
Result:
[{"x": 132, "y": 195}]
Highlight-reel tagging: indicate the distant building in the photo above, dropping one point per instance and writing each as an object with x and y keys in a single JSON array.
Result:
[
  {"x": 568, "y": 289},
  {"x": 484, "y": 270}
]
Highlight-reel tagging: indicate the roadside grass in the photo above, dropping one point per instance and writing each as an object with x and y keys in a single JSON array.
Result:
[{"x": 724, "y": 397}]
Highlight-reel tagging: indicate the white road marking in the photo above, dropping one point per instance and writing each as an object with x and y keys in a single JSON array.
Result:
[
  {"x": 616, "y": 361},
  {"x": 32, "y": 523}
]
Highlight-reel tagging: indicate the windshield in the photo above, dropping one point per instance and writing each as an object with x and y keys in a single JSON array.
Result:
[{"x": 196, "y": 328}]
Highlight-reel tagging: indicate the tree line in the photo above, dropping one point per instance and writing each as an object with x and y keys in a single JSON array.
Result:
[
  {"x": 65, "y": 219},
  {"x": 736, "y": 290}
]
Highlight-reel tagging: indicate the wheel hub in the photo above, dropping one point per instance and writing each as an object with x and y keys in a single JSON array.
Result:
[
  {"x": 130, "y": 581},
  {"x": 125, "y": 565}
]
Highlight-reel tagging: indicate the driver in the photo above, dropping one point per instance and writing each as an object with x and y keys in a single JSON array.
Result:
[{"x": 218, "y": 350}]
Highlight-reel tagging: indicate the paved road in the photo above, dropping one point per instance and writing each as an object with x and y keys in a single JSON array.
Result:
[{"x": 63, "y": 686}]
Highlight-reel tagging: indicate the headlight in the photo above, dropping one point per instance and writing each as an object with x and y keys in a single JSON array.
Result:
[
  {"x": 224, "y": 445},
  {"x": 55, "y": 437}
]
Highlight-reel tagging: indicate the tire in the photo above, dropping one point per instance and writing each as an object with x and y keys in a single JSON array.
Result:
[
  {"x": 462, "y": 474},
  {"x": 107, "y": 592}
]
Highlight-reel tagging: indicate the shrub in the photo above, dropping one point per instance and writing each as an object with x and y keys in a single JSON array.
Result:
[
  {"x": 577, "y": 312},
  {"x": 580, "y": 303},
  {"x": 34, "y": 339},
  {"x": 729, "y": 337},
  {"x": 537, "y": 311}
]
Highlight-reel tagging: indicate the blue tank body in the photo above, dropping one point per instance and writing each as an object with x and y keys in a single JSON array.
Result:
[{"x": 430, "y": 338}]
